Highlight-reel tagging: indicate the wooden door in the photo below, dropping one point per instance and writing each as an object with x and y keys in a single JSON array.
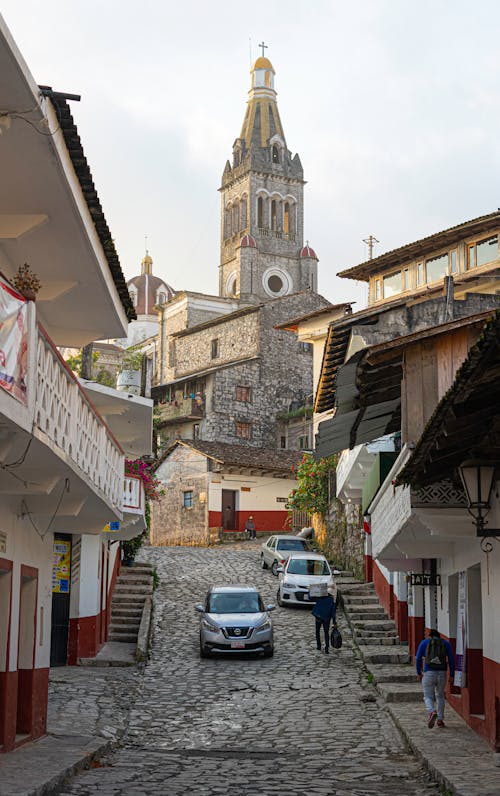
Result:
[{"x": 229, "y": 509}]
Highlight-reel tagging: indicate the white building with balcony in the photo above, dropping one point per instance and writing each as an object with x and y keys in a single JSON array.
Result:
[{"x": 61, "y": 465}]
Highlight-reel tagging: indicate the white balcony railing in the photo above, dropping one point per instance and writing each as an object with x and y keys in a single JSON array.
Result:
[
  {"x": 66, "y": 416},
  {"x": 133, "y": 495}
]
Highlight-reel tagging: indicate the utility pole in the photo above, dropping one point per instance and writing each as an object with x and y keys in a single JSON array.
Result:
[{"x": 370, "y": 241}]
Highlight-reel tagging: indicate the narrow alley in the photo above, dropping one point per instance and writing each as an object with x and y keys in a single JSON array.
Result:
[{"x": 300, "y": 722}]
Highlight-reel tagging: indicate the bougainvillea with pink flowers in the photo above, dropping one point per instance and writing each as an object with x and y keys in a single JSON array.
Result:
[
  {"x": 141, "y": 469},
  {"x": 311, "y": 493}
]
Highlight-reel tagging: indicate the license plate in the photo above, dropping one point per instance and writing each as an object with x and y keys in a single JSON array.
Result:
[
  {"x": 306, "y": 598},
  {"x": 237, "y": 645}
]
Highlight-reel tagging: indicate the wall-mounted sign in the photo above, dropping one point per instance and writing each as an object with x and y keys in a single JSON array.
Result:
[
  {"x": 3, "y": 542},
  {"x": 281, "y": 500},
  {"x": 424, "y": 579},
  {"x": 61, "y": 566},
  {"x": 112, "y": 526}
]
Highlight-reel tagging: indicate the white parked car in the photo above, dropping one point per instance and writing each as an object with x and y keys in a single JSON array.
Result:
[
  {"x": 301, "y": 572},
  {"x": 275, "y": 551}
]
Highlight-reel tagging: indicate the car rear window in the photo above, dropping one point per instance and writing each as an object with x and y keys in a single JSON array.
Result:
[
  {"x": 246, "y": 602},
  {"x": 291, "y": 544},
  {"x": 308, "y": 566}
]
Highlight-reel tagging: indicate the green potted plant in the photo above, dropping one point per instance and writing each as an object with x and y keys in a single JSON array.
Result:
[
  {"x": 131, "y": 547},
  {"x": 26, "y": 282}
]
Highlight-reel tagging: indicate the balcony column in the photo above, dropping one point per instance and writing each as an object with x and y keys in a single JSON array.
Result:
[
  {"x": 401, "y": 604},
  {"x": 416, "y": 623}
]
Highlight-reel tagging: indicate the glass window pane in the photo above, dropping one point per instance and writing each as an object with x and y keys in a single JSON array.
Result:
[
  {"x": 472, "y": 251},
  {"x": 420, "y": 274},
  {"x": 486, "y": 250},
  {"x": 377, "y": 289},
  {"x": 453, "y": 262},
  {"x": 437, "y": 267},
  {"x": 392, "y": 284},
  {"x": 406, "y": 278}
]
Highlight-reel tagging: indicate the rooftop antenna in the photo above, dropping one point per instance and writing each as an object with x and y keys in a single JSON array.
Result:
[{"x": 370, "y": 241}]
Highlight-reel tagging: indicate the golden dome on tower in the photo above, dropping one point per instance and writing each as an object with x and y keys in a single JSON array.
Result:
[
  {"x": 262, "y": 63},
  {"x": 147, "y": 260}
]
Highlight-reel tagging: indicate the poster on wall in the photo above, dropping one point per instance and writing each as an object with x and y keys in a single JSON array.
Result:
[
  {"x": 461, "y": 652},
  {"x": 13, "y": 343},
  {"x": 61, "y": 566}
]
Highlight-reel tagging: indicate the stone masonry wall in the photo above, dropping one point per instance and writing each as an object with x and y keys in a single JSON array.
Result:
[
  {"x": 238, "y": 337},
  {"x": 171, "y": 523}
]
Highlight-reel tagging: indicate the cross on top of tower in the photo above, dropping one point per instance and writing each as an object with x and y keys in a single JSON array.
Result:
[{"x": 264, "y": 47}]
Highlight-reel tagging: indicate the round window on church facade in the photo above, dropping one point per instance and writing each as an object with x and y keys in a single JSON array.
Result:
[{"x": 276, "y": 282}]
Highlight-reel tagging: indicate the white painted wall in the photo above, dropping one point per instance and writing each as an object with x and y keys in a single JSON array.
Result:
[
  {"x": 25, "y": 546},
  {"x": 262, "y": 496}
]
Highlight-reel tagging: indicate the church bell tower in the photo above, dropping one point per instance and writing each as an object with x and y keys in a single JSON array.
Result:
[{"x": 262, "y": 205}]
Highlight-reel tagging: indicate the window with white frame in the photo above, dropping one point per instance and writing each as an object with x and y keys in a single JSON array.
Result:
[{"x": 482, "y": 252}]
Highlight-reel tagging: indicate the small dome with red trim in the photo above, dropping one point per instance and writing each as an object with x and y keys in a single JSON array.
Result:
[
  {"x": 248, "y": 241},
  {"x": 306, "y": 251}
]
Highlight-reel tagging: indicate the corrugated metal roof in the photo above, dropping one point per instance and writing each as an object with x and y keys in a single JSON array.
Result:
[{"x": 421, "y": 247}]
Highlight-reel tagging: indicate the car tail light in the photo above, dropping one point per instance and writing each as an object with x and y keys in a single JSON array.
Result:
[{"x": 283, "y": 561}]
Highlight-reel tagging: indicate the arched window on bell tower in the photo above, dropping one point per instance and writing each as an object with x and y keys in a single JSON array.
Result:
[
  {"x": 243, "y": 213},
  {"x": 276, "y": 154},
  {"x": 274, "y": 214},
  {"x": 236, "y": 220},
  {"x": 227, "y": 222},
  {"x": 260, "y": 212},
  {"x": 286, "y": 219}
]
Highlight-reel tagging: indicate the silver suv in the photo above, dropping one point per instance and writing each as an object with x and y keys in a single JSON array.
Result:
[{"x": 234, "y": 619}]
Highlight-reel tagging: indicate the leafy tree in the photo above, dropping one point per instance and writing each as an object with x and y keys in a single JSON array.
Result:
[{"x": 311, "y": 494}]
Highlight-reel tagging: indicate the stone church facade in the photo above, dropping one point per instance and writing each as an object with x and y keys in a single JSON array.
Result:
[{"x": 225, "y": 372}]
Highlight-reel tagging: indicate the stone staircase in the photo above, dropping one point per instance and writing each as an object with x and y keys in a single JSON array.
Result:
[
  {"x": 133, "y": 585},
  {"x": 375, "y": 634}
]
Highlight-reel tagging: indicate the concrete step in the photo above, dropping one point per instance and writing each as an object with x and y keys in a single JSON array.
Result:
[
  {"x": 384, "y": 654},
  {"x": 373, "y": 624},
  {"x": 128, "y": 621},
  {"x": 145, "y": 579},
  {"x": 360, "y": 599},
  {"x": 136, "y": 571},
  {"x": 367, "y": 633},
  {"x": 355, "y": 588},
  {"x": 128, "y": 637},
  {"x": 401, "y": 692},
  {"x": 366, "y": 612},
  {"x": 132, "y": 611},
  {"x": 377, "y": 640},
  {"x": 130, "y": 588},
  {"x": 392, "y": 673}
]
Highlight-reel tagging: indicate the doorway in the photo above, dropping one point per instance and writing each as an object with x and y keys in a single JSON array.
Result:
[
  {"x": 229, "y": 509},
  {"x": 475, "y": 679},
  {"x": 5, "y": 608},
  {"x": 61, "y": 584},
  {"x": 26, "y": 649}
]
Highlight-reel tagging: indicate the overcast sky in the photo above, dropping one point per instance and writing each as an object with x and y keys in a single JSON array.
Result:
[{"x": 393, "y": 107}]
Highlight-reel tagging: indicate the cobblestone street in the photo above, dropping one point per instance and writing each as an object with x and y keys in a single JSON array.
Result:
[{"x": 301, "y": 722}]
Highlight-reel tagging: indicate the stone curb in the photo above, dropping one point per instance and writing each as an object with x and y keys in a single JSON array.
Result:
[
  {"x": 32, "y": 757},
  {"x": 144, "y": 631}
]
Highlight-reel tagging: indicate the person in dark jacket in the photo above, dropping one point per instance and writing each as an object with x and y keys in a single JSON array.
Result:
[
  {"x": 438, "y": 658},
  {"x": 324, "y": 612},
  {"x": 250, "y": 528}
]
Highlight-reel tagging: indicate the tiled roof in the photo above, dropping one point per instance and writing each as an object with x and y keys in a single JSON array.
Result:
[
  {"x": 422, "y": 247},
  {"x": 84, "y": 175},
  {"x": 243, "y": 455}
]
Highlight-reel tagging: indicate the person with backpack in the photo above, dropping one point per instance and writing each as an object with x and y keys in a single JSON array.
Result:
[
  {"x": 324, "y": 611},
  {"x": 438, "y": 656}
]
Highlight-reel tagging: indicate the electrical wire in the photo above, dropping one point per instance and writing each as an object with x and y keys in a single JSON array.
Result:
[{"x": 27, "y": 512}]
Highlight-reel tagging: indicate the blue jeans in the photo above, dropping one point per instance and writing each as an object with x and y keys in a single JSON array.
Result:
[
  {"x": 434, "y": 684},
  {"x": 325, "y": 624}
]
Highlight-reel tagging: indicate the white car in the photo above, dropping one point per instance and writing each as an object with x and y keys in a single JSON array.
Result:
[
  {"x": 298, "y": 574},
  {"x": 275, "y": 551}
]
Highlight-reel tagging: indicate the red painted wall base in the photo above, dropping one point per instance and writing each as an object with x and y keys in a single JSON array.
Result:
[
  {"x": 24, "y": 697},
  {"x": 268, "y": 521},
  {"x": 384, "y": 591}
]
